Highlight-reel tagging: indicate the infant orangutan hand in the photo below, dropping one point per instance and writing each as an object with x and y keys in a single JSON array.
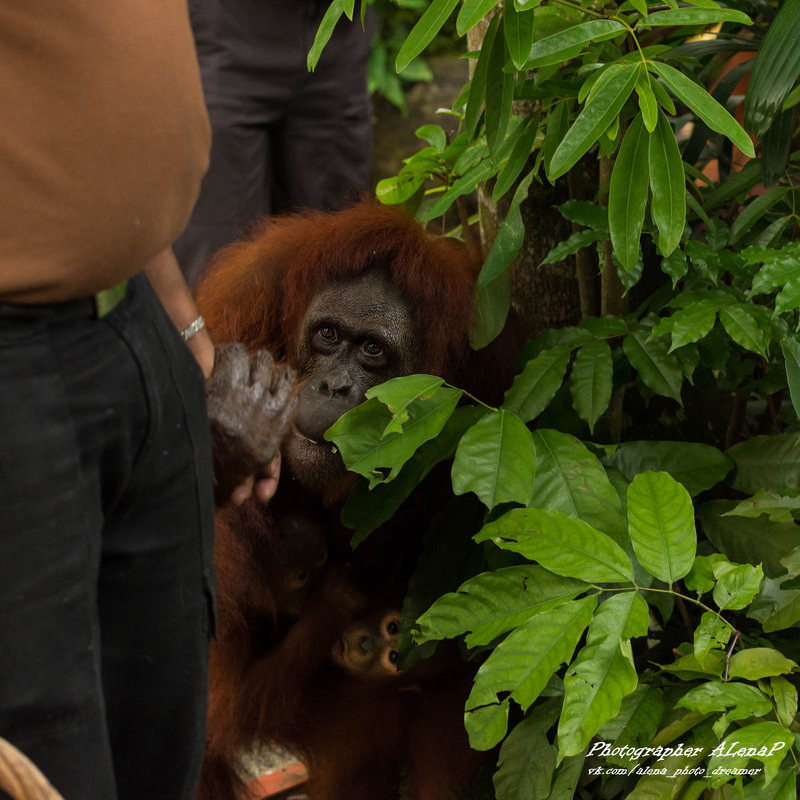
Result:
[{"x": 251, "y": 403}]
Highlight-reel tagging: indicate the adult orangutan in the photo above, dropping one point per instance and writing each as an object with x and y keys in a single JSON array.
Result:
[{"x": 347, "y": 300}]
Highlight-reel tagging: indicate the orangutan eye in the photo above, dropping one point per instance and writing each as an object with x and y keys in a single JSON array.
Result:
[
  {"x": 372, "y": 348},
  {"x": 328, "y": 333}
]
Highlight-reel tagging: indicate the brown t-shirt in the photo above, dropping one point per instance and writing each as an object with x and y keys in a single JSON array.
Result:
[{"x": 103, "y": 141}]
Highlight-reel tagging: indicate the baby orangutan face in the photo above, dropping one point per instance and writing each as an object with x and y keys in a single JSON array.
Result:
[{"x": 368, "y": 648}]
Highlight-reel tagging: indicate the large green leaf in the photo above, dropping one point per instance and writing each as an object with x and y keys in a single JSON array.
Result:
[
  {"x": 782, "y": 787},
  {"x": 519, "y": 34},
  {"x": 509, "y": 237},
  {"x": 756, "y": 663},
  {"x": 527, "y": 759},
  {"x": 752, "y": 540},
  {"x": 791, "y": 357},
  {"x": 627, "y": 195},
  {"x": 591, "y": 381},
  {"x": 366, "y": 509},
  {"x": 767, "y": 742},
  {"x": 496, "y": 460},
  {"x": 368, "y": 439},
  {"x": 324, "y": 32},
  {"x": 637, "y": 721},
  {"x": 599, "y": 112},
  {"x": 739, "y": 700},
  {"x": 537, "y": 384},
  {"x": 689, "y": 324},
  {"x": 477, "y": 90},
  {"x": 697, "y": 466},
  {"x": 777, "y": 507},
  {"x": 668, "y": 182},
  {"x": 523, "y": 662},
  {"x": 737, "y": 584},
  {"x": 603, "y": 672},
  {"x": 560, "y": 543},
  {"x": 658, "y": 370},
  {"x": 775, "y": 70},
  {"x": 661, "y": 525},
  {"x": 701, "y": 102},
  {"x": 767, "y": 462},
  {"x": 472, "y": 11},
  {"x": 421, "y": 35},
  {"x": 694, "y": 16},
  {"x": 492, "y": 304},
  {"x": 559, "y": 46},
  {"x": 499, "y": 95},
  {"x": 570, "y": 479},
  {"x": 494, "y": 603},
  {"x": 755, "y": 210},
  {"x": 518, "y": 158}
]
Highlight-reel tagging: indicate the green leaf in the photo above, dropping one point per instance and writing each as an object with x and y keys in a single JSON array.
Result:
[
  {"x": 661, "y": 525},
  {"x": 694, "y": 16},
  {"x": 689, "y": 324},
  {"x": 493, "y": 603},
  {"x": 585, "y": 213},
  {"x": 472, "y": 12},
  {"x": 499, "y": 95},
  {"x": 359, "y": 434},
  {"x": 555, "y": 131},
  {"x": 324, "y": 32},
  {"x": 434, "y": 135},
  {"x": 767, "y": 462},
  {"x": 396, "y": 190},
  {"x": 519, "y": 34},
  {"x": 748, "y": 326},
  {"x": 675, "y": 266},
  {"x": 496, "y": 460},
  {"x": 577, "y": 241},
  {"x": 627, "y": 195},
  {"x": 509, "y": 237},
  {"x": 591, "y": 381},
  {"x": 756, "y": 663},
  {"x": 560, "y": 543},
  {"x": 399, "y": 393},
  {"x": 737, "y": 699},
  {"x": 656, "y": 367},
  {"x": 486, "y": 725},
  {"x": 711, "y": 633},
  {"x": 767, "y": 742},
  {"x": 603, "y": 672},
  {"x": 668, "y": 183},
  {"x": 775, "y": 70},
  {"x": 755, "y": 210},
  {"x": 477, "y": 91},
  {"x": 709, "y": 110},
  {"x": 791, "y": 356},
  {"x": 523, "y": 662},
  {"x": 598, "y": 113},
  {"x": 648, "y": 104},
  {"x": 697, "y": 466},
  {"x": 527, "y": 759},
  {"x": 637, "y": 722},
  {"x": 492, "y": 304},
  {"x": 537, "y": 384},
  {"x": 365, "y": 509},
  {"x": 751, "y": 540},
  {"x": 570, "y": 479},
  {"x": 784, "y": 696},
  {"x": 421, "y": 35},
  {"x": 736, "y": 585},
  {"x": 518, "y": 158},
  {"x": 559, "y": 46},
  {"x": 782, "y": 787},
  {"x": 776, "y": 506}
]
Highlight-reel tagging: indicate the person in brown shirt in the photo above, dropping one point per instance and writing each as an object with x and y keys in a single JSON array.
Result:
[{"x": 106, "y": 502}]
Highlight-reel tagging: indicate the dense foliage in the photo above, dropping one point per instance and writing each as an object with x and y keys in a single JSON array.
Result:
[{"x": 628, "y": 577}]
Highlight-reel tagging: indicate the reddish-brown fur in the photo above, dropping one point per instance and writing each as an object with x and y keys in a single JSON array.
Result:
[{"x": 360, "y": 739}]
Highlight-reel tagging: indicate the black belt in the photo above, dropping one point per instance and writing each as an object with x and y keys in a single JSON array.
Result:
[{"x": 96, "y": 306}]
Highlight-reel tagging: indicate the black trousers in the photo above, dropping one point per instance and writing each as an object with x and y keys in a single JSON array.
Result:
[
  {"x": 106, "y": 571},
  {"x": 282, "y": 137}
]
